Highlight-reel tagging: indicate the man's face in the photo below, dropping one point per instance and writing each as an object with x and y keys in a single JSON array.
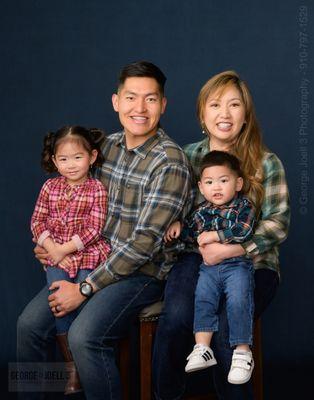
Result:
[{"x": 140, "y": 105}]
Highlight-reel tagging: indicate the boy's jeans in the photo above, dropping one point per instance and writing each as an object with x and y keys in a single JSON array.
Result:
[
  {"x": 57, "y": 274},
  {"x": 235, "y": 279},
  {"x": 174, "y": 337}
]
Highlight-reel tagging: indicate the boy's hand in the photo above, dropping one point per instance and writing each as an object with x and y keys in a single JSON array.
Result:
[
  {"x": 207, "y": 238},
  {"x": 173, "y": 232}
]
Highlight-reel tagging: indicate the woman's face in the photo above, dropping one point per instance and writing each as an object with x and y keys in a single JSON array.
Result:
[{"x": 224, "y": 116}]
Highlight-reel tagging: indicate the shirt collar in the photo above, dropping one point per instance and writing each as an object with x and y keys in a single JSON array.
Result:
[{"x": 142, "y": 150}]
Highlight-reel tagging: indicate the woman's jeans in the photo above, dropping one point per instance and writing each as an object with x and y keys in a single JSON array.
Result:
[
  {"x": 57, "y": 274},
  {"x": 174, "y": 340},
  {"x": 235, "y": 279},
  {"x": 105, "y": 318}
]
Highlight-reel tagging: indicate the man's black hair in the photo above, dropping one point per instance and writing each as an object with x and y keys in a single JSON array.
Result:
[{"x": 143, "y": 69}]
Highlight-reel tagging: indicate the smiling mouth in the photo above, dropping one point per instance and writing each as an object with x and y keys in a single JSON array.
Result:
[
  {"x": 217, "y": 196},
  {"x": 139, "y": 120},
  {"x": 224, "y": 125}
]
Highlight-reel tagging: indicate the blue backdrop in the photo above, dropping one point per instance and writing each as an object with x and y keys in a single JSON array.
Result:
[{"x": 59, "y": 65}]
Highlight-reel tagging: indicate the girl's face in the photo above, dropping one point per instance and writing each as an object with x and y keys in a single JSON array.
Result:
[
  {"x": 224, "y": 116},
  {"x": 73, "y": 161}
]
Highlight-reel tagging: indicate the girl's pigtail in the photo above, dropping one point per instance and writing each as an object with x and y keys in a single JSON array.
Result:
[{"x": 47, "y": 153}]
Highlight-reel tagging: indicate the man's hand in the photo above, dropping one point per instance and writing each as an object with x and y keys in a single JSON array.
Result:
[
  {"x": 173, "y": 232},
  {"x": 65, "y": 299},
  {"x": 41, "y": 254},
  {"x": 215, "y": 253},
  {"x": 207, "y": 238}
]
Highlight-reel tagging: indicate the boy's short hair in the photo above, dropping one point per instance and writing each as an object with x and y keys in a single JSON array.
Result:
[
  {"x": 142, "y": 69},
  {"x": 216, "y": 157}
]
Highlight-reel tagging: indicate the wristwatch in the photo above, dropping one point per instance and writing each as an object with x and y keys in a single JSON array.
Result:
[{"x": 86, "y": 289}]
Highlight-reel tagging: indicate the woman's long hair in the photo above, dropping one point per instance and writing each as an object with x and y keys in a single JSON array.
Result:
[{"x": 248, "y": 146}]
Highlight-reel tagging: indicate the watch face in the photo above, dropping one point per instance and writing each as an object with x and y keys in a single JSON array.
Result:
[{"x": 86, "y": 289}]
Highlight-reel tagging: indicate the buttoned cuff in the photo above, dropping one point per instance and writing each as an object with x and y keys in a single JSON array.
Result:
[
  {"x": 250, "y": 248},
  {"x": 78, "y": 242}
]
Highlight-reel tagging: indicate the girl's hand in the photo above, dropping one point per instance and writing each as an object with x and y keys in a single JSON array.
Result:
[
  {"x": 207, "y": 238},
  {"x": 173, "y": 232},
  {"x": 57, "y": 253},
  {"x": 66, "y": 263}
]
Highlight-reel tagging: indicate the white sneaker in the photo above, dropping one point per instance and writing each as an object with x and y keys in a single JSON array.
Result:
[
  {"x": 200, "y": 358},
  {"x": 241, "y": 367}
]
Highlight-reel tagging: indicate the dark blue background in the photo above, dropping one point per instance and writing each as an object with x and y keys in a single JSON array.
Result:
[{"x": 59, "y": 64}]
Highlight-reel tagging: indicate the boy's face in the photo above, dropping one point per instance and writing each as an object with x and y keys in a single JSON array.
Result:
[
  {"x": 219, "y": 184},
  {"x": 140, "y": 105}
]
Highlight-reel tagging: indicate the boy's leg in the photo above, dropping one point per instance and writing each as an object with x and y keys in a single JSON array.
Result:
[
  {"x": 105, "y": 318},
  {"x": 238, "y": 283},
  {"x": 174, "y": 339},
  {"x": 207, "y": 296},
  {"x": 266, "y": 284}
]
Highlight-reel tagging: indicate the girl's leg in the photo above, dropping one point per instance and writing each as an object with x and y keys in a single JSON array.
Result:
[{"x": 57, "y": 274}]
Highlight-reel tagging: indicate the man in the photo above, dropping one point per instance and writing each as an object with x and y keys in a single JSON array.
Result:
[{"x": 148, "y": 181}]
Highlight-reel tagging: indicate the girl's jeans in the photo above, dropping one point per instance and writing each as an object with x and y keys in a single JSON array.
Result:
[
  {"x": 235, "y": 279},
  {"x": 57, "y": 274}
]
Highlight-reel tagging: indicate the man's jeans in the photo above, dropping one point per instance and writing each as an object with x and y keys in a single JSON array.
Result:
[
  {"x": 235, "y": 279},
  {"x": 174, "y": 340},
  {"x": 57, "y": 274},
  {"x": 104, "y": 318}
]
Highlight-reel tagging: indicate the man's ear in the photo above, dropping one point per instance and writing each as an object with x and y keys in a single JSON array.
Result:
[
  {"x": 239, "y": 184},
  {"x": 163, "y": 104},
  {"x": 93, "y": 156},
  {"x": 115, "y": 102}
]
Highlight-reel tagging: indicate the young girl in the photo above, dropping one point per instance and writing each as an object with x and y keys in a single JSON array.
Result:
[{"x": 69, "y": 217}]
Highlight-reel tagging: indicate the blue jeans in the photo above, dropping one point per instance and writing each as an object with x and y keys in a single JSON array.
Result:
[
  {"x": 57, "y": 274},
  {"x": 174, "y": 339},
  {"x": 104, "y": 319},
  {"x": 235, "y": 279}
]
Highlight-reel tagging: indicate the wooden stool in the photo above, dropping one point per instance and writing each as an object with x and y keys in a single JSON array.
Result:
[{"x": 148, "y": 324}]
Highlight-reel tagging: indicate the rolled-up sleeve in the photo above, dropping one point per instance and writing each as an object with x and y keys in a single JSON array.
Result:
[{"x": 272, "y": 228}]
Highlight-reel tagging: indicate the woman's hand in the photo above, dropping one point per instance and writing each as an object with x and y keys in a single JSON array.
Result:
[
  {"x": 207, "y": 238},
  {"x": 215, "y": 253},
  {"x": 65, "y": 299}
]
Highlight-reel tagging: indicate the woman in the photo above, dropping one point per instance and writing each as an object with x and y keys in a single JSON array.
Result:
[{"x": 226, "y": 115}]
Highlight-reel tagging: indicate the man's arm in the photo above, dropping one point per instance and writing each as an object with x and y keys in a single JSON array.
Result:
[{"x": 164, "y": 199}]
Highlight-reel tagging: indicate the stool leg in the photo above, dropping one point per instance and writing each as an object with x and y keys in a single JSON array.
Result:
[
  {"x": 147, "y": 330},
  {"x": 125, "y": 367},
  {"x": 258, "y": 369}
]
